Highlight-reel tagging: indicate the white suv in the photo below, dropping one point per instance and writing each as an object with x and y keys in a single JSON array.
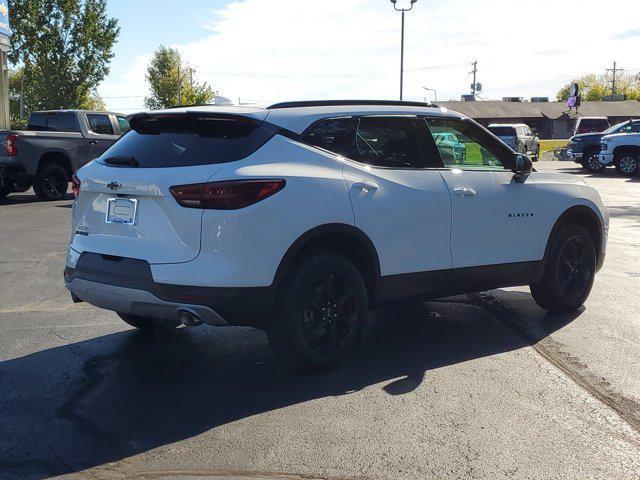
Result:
[{"x": 301, "y": 217}]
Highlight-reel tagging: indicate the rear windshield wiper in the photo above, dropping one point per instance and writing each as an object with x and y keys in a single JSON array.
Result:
[{"x": 122, "y": 161}]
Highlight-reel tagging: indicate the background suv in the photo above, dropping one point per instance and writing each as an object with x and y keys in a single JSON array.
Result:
[
  {"x": 585, "y": 148},
  {"x": 519, "y": 137},
  {"x": 301, "y": 217}
]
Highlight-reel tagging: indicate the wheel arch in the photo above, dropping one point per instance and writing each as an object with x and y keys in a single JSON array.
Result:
[
  {"x": 626, "y": 148},
  {"x": 60, "y": 158},
  {"x": 585, "y": 217},
  {"x": 338, "y": 238}
]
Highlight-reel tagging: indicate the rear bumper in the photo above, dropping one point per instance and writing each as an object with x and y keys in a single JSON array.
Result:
[
  {"x": 126, "y": 285},
  {"x": 13, "y": 172}
]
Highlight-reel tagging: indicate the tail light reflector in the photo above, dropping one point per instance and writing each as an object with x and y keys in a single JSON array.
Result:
[
  {"x": 11, "y": 145},
  {"x": 228, "y": 195},
  {"x": 75, "y": 186}
]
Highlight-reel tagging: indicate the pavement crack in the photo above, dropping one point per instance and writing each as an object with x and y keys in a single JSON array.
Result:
[{"x": 555, "y": 353}]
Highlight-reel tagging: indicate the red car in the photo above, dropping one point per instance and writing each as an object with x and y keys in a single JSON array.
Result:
[{"x": 591, "y": 124}]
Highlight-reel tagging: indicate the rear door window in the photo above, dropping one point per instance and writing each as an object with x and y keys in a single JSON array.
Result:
[
  {"x": 180, "y": 140},
  {"x": 100, "y": 124},
  {"x": 388, "y": 142}
]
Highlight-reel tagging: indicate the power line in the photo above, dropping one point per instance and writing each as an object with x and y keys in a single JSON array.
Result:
[{"x": 613, "y": 80}]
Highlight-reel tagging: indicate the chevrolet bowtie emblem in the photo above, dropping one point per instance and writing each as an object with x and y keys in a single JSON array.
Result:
[{"x": 114, "y": 186}]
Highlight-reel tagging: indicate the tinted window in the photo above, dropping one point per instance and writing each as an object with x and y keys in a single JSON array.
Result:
[
  {"x": 629, "y": 128},
  {"x": 388, "y": 142},
  {"x": 184, "y": 140},
  {"x": 124, "y": 124},
  {"x": 53, "y": 122},
  {"x": 503, "y": 131},
  {"x": 100, "y": 124},
  {"x": 473, "y": 148},
  {"x": 37, "y": 122},
  {"x": 333, "y": 134}
]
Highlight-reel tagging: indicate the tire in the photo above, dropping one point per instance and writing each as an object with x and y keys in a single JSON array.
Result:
[
  {"x": 51, "y": 182},
  {"x": 4, "y": 191},
  {"x": 627, "y": 163},
  {"x": 569, "y": 271},
  {"x": 590, "y": 161},
  {"x": 321, "y": 314},
  {"x": 536, "y": 154},
  {"x": 148, "y": 324}
]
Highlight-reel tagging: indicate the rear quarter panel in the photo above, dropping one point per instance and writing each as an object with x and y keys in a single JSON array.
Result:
[
  {"x": 243, "y": 248},
  {"x": 33, "y": 145}
]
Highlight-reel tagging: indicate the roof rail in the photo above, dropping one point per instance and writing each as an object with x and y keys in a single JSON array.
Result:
[{"x": 337, "y": 103}]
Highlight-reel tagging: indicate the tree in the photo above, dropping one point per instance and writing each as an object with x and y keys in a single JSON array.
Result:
[
  {"x": 171, "y": 82},
  {"x": 595, "y": 87},
  {"x": 64, "y": 48}
]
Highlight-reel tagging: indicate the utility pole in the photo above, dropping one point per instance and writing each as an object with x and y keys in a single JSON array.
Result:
[
  {"x": 22, "y": 96},
  {"x": 179, "y": 87},
  {"x": 474, "y": 84},
  {"x": 614, "y": 70}
]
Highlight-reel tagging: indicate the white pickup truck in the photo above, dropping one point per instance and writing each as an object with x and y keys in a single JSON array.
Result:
[{"x": 623, "y": 151}]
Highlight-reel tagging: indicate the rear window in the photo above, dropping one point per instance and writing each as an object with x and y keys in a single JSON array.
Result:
[
  {"x": 503, "y": 131},
  {"x": 185, "y": 140},
  {"x": 594, "y": 123},
  {"x": 53, "y": 122}
]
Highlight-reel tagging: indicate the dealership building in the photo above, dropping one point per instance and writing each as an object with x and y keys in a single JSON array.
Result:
[{"x": 547, "y": 119}]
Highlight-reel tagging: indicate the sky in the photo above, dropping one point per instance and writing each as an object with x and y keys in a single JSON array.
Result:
[{"x": 265, "y": 51}]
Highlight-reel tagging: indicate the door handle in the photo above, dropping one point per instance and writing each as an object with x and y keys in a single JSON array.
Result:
[
  {"x": 93, "y": 142},
  {"x": 464, "y": 192},
  {"x": 366, "y": 186}
]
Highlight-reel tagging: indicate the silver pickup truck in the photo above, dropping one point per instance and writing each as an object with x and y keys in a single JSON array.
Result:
[{"x": 55, "y": 145}]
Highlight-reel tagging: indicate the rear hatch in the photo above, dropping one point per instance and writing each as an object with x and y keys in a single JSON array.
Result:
[{"x": 125, "y": 207}]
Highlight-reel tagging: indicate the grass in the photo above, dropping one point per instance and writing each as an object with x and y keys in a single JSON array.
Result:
[{"x": 548, "y": 145}]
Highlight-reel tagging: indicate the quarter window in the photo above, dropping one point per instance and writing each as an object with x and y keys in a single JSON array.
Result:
[
  {"x": 100, "y": 124},
  {"x": 388, "y": 142},
  {"x": 462, "y": 144},
  {"x": 332, "y": 134}
]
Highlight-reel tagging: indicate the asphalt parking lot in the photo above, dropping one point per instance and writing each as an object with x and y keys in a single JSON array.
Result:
[{"x": 477, "y": 386}]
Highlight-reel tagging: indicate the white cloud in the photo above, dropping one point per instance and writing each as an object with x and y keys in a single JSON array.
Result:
[{"x": 286, "y": 49}]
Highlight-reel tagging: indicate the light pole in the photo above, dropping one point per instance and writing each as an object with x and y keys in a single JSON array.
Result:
[
  {"x": 402, "y": 38},
  {"x": 435, "y": 94}
]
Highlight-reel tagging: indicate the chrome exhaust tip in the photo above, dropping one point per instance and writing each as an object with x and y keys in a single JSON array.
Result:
[{"x": 189, "y": 318}]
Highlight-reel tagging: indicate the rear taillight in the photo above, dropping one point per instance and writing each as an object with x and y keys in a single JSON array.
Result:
[
  {"x": 229, "y": 195},
  {"x": 11, "y": 145},
  {"x": 75, "y": 186}
]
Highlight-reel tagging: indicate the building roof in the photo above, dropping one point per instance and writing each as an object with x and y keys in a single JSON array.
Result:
[{"x": 550, "y": 110}]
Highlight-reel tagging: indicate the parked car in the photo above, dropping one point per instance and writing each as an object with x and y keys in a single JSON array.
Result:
[
  {"x": 450, "y": 147},
  {"x": 590, "y": 124},
  {"x": 623, "y": 151},
  {"x": 585, "y": 148},
  {"x": 55, "y": 144},
  {"x": 300, "y": 217},
  {"x": 519, "y": 137}
]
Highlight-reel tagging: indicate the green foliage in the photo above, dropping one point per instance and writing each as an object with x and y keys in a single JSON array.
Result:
[
  {"x": 171, "y": 82},
  {"x": 63, "y": 48},
  {"x": 596, "y": 87}
]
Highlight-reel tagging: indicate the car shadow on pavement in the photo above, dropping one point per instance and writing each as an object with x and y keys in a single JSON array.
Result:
[
  {"x": 84, "y": 404},
  {"x": 20, "y": 198}
]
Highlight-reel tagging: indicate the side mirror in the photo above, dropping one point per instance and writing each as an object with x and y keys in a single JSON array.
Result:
[{"x": 522, "y": 166}]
